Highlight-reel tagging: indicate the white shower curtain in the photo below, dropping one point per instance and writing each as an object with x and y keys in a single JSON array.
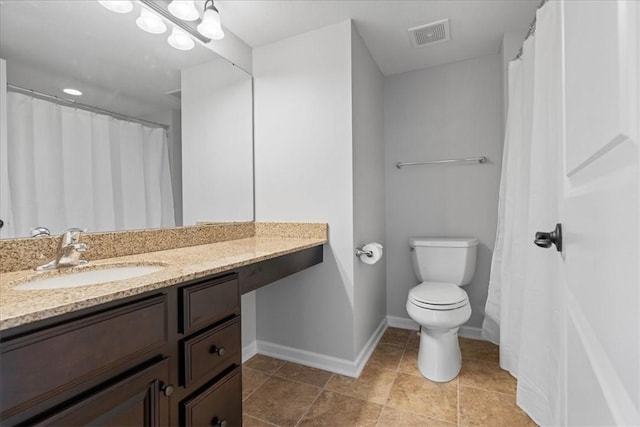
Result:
[
  {"x": 523, "y": 313},
  {"x": 68, "y": 167}
]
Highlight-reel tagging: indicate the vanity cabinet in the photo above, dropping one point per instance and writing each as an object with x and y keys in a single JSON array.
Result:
[
  {"x": 167, "y": 357},
  {"x": 71, "y": 361}
]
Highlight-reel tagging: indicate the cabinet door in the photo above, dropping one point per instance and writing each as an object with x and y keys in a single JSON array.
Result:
[{"x": 135, "y": 400}]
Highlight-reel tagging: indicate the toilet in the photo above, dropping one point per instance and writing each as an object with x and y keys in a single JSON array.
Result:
[{"x": 439, "y": 304}]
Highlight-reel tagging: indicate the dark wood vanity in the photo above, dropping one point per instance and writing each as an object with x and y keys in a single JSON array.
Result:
[{"x": 167, "y": 357}]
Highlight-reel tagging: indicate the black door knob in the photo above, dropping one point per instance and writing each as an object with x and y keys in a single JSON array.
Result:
[{"x": 545, "y": 240}]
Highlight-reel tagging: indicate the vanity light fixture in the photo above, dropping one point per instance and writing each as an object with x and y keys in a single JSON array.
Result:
[
  {"x": 72, "y": 91},
  {"x": 150, "y": 22},
  {"x": 180, "y": 40},
  {"x": 210, "y": 25},
  {"x": 118, "y": 6},
  {"x": 184, "y": 9}
]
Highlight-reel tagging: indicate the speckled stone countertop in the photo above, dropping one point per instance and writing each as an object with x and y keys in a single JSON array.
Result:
[{"x": 21, "y": 307}]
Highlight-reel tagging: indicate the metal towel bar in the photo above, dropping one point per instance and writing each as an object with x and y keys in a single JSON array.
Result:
[{"x": 482, "y": 159}]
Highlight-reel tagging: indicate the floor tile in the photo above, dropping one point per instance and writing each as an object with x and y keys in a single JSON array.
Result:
[
  {"x": 386, "y": 356},
  {"x": 480, "y": 408},
  {"x": 280, "y": 401},
  {"x": 396, "y": 417},
  {"x": 479, "y": 350},
  {"x": 264, "y": 363},
  {"x": 248, "y": 421},
  {"x": 333, "y": 409},
  {"x": 435, "y": 400},
  {"x": 373, "y": 384},
  {"x": 486, "y": 375},
  {"x": 395, "y": 336},
  {"x": 251, "y": 380},
  {"x": 414, "y": 340},
  {"x": 304, "y": 374},
  {"x": 409, "y": 362}
]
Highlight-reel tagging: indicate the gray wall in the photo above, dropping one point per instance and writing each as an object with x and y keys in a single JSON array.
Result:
[
  {"x": 368, "y": 187},
  {"x": 303, "y": 164},
  {"x": 216, "y": 143},
  {"x": 449, "y": 111}
]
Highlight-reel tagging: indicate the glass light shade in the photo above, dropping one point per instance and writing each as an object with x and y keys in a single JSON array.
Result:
[
  {"x": 184, "y": 9},
  {"x": 210, "y": 26},
  {"x": 180, "y": 40},
  {"x": 118, "y": 6},
  {"x": 150, "y": 22}
]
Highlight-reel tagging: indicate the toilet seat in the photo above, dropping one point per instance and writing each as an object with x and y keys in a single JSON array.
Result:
[{"x": 438, "y": 296}]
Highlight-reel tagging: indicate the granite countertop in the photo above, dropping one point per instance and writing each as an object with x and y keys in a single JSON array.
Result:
[{"x": 21, "y": 307}]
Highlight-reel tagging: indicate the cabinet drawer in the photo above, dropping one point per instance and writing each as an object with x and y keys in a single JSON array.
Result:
[
  {"x": 211, "y": 352},
  {"x": 210, "y": 301},
  {"x": 44, "y": 364},
  {"x": 220, "y": 403}
]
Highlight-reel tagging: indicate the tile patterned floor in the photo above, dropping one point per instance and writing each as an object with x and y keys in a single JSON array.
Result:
[{"x": 389, "y": 392}]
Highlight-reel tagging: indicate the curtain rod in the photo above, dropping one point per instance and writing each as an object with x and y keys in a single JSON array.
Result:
[
  {"x": 86, "y": 107},
  {"x": 482, "y": 159},
  {"x": 532, "y": 29}
]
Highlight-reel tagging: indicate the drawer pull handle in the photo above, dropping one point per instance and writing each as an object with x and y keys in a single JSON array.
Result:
[
  {"x": 167, "y": 390},
  {"x": 217, "y": 350},
  {"x": 216, "y": 422}
]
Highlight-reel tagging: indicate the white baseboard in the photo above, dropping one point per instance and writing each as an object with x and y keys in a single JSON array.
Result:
[
  {"x": 472, "y": 332},
  {"x": 369, "y": 347},
  {"x": 249, "y": 350},
  {"x": 402, "y": 323},
  {"x": 350, "y": 368}
]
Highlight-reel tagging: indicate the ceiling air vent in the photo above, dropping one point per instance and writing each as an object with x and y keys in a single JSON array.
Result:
[{"x": 429, "y": 34}]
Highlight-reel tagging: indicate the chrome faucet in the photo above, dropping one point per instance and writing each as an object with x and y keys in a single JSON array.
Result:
[
  {"x": 69, "y": 251},
  {"x": 40, "y": 232}
]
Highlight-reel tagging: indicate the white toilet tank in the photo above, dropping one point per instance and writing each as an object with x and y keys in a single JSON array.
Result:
[{"x": 448, "y": 260}]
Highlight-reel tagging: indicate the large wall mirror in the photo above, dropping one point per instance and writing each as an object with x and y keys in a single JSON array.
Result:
[{"x": 159, "y": 137}]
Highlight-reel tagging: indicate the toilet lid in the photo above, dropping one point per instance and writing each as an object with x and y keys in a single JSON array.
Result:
[{"x": 438, "y": 296}]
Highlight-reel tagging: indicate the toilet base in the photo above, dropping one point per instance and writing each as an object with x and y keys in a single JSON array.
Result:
[{"x": 439, "y": 357}]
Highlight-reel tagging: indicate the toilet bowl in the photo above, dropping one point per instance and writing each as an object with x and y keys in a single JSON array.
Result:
[
  {"x": 440, "y": 318},
  {"x": 438, "y": 304}
]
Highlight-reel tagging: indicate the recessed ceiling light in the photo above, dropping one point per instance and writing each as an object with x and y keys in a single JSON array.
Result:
[{"x": 71, "y": 91}]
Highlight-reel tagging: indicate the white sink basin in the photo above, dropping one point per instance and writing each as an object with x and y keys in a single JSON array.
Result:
[{"x": 88, "y": 277}]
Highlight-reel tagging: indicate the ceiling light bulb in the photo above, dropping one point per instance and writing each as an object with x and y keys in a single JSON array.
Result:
[
  {"x": 184, "y": 9},
  {"x": 71, "y": 91},
  {"x": 180, "y": 40},
  {"x": 210, "y": 26},
  {"x": 118, "y": 6},
  {"x": 150, "y": 22}
]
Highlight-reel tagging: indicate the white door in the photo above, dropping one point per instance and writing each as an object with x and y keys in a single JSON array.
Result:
[{"x": 600, "y": 212}]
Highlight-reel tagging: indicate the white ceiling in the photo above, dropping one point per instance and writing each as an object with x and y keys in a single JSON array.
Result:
[{"x": 476, "y": 25}]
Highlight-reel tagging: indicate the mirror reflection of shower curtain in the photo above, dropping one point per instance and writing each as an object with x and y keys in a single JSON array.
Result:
[{"x": 69, "y": 167}]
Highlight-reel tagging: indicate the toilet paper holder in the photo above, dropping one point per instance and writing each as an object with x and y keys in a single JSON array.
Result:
[{"x": 359, "y": 252}]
